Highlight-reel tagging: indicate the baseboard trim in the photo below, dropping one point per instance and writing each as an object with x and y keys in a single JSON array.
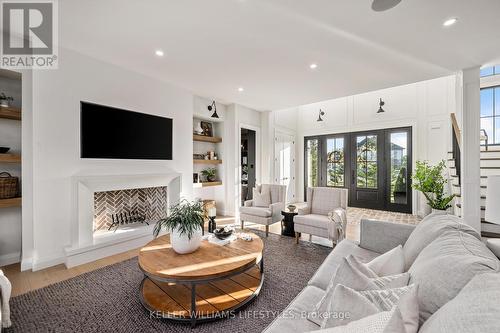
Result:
[{"x": 10, "y": 258}]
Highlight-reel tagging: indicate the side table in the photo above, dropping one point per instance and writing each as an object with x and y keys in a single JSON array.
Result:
[{"x": 287, "y": 222}]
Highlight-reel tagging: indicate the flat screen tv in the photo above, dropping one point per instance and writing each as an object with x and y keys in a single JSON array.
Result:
[{"x": 107, "y": 132}]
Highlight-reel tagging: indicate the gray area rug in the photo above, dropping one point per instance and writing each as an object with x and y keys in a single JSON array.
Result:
[{"x": 107, "y": 299}]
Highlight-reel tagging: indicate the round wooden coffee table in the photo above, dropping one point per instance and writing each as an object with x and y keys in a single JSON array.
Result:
[{"x": 207, "y": 284}]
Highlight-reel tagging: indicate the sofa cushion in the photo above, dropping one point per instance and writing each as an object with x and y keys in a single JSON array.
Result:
[
  {"x": 475, "y": 309},
  {"x": 446, "y": 265},
  {"x": 306, "y": 299},
  {"x": 256, "y": 211},
  {"x": 327, "y": 270},
  {"x": 291, "y": 321},
  {"x": 428, "y": 230},
  {"x": 313, "y": 220},
  {"x": 390, "y": 263}
]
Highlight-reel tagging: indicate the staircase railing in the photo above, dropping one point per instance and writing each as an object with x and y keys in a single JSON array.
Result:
[{"x": 456, "y": 144}]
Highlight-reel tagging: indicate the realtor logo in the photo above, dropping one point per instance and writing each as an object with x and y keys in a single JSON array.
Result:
[{"x": 29, "y": 35}]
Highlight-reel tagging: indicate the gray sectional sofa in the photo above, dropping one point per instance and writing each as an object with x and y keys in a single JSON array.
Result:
[{"x": 457, "y": 275}]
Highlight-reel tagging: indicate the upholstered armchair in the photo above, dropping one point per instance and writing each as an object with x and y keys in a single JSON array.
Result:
[
  {"x": 325, "y": 214},
  {"x": 265, "y": 212}
]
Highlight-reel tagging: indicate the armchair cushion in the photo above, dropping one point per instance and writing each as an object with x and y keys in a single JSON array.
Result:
[
  {"x": 313, "y": 220},
  {"x": 323, "y": 200},
  {"x": 248, "y": 203},
  {"x": 261, "y": 198},
  {"x": 256, "y": 211}
]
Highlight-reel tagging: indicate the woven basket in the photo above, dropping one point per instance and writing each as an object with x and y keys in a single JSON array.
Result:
[{"x": 8, "y": 186}]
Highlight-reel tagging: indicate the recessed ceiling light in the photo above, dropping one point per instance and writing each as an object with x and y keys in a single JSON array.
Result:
[
  {"x": 313, "y": 66},
  {"x": 240, "y": 89},
  {"x": 450, "y": 22},
  {"x": 159, "y": 53}
]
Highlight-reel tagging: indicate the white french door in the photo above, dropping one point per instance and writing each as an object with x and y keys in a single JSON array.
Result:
[{"x": 285, "y": 163}]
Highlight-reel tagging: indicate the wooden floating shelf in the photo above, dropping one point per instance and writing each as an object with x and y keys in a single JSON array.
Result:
[
  {"x": 10, "y": 158},
  {"x": 10, "y": 113},
  {"x": 207, "y": 184},
  {"x": 202, "y": 138},
  {"x": 208, "y": 161},
  {"x": 13, "y": 202}
]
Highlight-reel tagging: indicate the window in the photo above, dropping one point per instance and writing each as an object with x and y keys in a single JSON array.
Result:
[
  {"x": 489, "y": 71},
  {"x": 312, "y": 150},
  {"x": 490, "y": 113},
  {"x": 335, "y": 162},
  {"x": 366, "y": 166}
]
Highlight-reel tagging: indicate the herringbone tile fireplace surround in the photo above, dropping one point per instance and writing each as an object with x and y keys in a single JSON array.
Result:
[{"x": 151, "y": 203}]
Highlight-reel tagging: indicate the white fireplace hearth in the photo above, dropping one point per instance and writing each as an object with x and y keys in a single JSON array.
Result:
[{"x": 88, "y": 245}]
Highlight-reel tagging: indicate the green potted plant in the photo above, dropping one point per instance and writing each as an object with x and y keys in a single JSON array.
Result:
[
  {"x": 210, "y": 174},
  {"x": 5, "y": 100},
  {"x": 185, "y": 226},
  {"x": 429, "y": 180}
]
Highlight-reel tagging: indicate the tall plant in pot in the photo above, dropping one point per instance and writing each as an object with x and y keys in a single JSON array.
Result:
[
  {"x": 185, "y": 225},
  {"x": 429, "y": 180}
]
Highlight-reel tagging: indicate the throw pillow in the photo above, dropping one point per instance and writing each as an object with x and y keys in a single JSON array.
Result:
[
  {"x": 382, "y": 322},
  {"x": 350, "y": 276},
  {"x": 355, "y": 305},
  {"x": 261, "y": 199},
  {"x": 390, "y": 263}
]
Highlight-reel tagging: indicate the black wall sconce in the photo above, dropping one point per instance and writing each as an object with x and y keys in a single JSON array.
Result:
[
  {"x": 321, "y": 113},
  {"x": 380, "y": 105},
  {"x": 211, "y": 107}
]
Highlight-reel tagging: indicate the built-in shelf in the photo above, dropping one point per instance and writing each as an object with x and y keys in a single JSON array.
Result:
[
  {"x": 13, "y": 202},
  {"x": 207, "y": 184},
  {"x": 202, "y": 138},
  {"x": 10, "y": 113},
  {"x": 10, "y": 158},
  {"x": 207, "y": 161}
]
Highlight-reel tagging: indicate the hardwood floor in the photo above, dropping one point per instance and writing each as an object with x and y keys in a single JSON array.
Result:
[{"x": 23, "y": 282}]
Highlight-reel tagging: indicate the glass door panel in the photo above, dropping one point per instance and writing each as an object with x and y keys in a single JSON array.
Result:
[
  {"x": 366, "y": 161},
  {"x": 335, "y": 159},
  {"x": 312, "y": 163},
  {"x": 399, "y": 168}
]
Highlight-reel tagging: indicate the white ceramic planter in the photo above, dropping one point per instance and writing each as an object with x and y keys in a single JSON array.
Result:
[
  {"x": 439, "y": 212},
  {"x": 182, "y": 244}
]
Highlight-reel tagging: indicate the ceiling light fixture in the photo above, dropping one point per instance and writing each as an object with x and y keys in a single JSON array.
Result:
[
  {"x": 313, "y": 66},
  {"x": 450, "y": 22},
  {"x": 380, "y": 105},
  {"x": 321, "y": 113},
  {"x": 211, "y": 107},
  {"x": 383, "y": 5},
  {"x": 240, "y": 89},
  {"x": 159, "y": 53}
]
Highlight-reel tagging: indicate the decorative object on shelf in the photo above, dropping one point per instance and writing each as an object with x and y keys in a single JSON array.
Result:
[
  {"x": 198, "y": 156},
  {"x": 8, "y": 185},
  {"x": 211, "y": 107},
  {"x": 207, "y": 128},
  {"x": 291, "y": 207},
  {"x": 196, "y": 178},
  {"x": 321, "y": 113},
  {"x": 212, "y": 213},
  {"x": 380, "y": 105},
  {"x": 198, "y": 130},
  {"x": 209, "y": 174},
  {"x": 223, "y": 232},
  {"x": 492, "y": 213},
  {"x": 430, "y": 181},
  {"x": 4, "y": 150},
  {"x": 5, "y": 100},
  {"x": 185, "y": 224}
]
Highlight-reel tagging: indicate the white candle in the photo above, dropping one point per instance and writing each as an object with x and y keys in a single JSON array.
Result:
[{"x": 212, "y": 212}]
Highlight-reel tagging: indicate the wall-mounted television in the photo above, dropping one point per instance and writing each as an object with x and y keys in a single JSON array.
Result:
[{"x": 108, "y": 132}]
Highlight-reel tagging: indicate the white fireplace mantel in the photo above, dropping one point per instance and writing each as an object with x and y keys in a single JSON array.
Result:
[{"x": 85, "y": 246}]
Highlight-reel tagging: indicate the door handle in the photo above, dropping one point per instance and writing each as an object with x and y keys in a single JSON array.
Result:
[{"x": 353, "y": 180}]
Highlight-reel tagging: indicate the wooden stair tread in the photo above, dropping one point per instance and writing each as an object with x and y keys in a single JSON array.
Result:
[{"x": 460, "y": 206}]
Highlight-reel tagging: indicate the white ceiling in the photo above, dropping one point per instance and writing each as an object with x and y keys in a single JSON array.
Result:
[{"x": 212, "y": 47}]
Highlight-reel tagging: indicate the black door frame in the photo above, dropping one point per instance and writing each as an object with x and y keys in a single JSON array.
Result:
[{"x": 383, "y": 159}]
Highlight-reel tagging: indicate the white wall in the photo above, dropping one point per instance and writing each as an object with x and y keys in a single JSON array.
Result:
[
  {"x": 426, "y": 106},
  {"x": 56, "y": 157},
  {"x": 10, "y": 136}
]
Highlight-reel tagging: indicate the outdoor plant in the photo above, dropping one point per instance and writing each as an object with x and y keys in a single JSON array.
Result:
[
  {"x": 209, "y": 174},
  {"x": 185, "y": 217},
  {"x": 430, "y": 181}
]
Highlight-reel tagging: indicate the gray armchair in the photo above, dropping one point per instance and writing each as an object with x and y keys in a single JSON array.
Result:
[
  {"x": 325, "y": 214},
  {"x": 265, "y": 215}
]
